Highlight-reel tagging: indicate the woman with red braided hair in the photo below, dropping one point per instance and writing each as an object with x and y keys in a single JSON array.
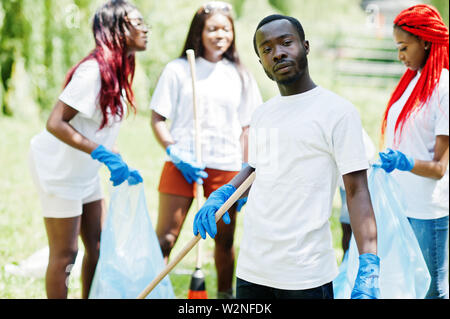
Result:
[
  {"x": 79, "y": 137},
  {"x": 415, "y": 129}
]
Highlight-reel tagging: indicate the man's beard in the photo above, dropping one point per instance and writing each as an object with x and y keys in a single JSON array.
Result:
[
  {"x": 291, "y": 80},
  {"x": 302, "y": 65}
]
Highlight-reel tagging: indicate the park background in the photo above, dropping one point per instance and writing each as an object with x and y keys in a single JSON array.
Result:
[{"x": 352, "y": 53}]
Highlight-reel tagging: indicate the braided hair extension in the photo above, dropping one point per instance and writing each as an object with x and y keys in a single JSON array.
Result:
[{"x": 425, "y": 22}]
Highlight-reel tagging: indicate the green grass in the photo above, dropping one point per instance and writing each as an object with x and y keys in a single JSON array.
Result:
[{"x": 21, "y": 225}]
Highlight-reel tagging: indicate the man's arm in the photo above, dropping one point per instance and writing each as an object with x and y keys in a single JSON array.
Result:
[
  {"x": 241, "y": 177},
  {"x": 362, "y": 217},
  {"x": 364, "y": 227}
]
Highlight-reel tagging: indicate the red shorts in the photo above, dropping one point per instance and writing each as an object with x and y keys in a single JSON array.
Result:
[{"x": 173, "y": 182}]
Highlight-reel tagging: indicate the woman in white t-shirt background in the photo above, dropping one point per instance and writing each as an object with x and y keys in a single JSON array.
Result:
[
  {"x": 415, "y": 131},
  {"x": 227, "y": 95},
  {"x": 80, "y": 134}
]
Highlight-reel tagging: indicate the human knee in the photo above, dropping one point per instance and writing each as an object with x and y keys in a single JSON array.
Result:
[
  {"x": 167, "y": 241},
  {"x": 63, "y": 259},
  {"x": 92, "y": 249}
]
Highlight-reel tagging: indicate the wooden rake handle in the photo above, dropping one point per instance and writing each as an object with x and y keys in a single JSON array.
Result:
[
  {"x": 190, "y": 55},
  {"x": 225, "y": 207}
]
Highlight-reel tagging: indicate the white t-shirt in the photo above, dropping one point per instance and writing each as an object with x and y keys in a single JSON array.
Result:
[
  {"x": 427, "y": 198},
  {"x": 370, "y": 152},
  {"x": 298, "y": 145},
  {"x": 62, "y": 169},
  {"x": 223, "y": 109}
]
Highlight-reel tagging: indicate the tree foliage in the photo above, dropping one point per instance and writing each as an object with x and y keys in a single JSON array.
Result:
[
  {"x": 14, "y": 40},
  {"x": 47, "y": 37},
  {"x": 281, "y": 5}
]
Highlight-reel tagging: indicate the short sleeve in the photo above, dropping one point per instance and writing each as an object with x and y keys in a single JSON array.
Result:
[
  {"x": 165, "y": 95},
  {"x": 81, "y": 93},
  {"x": 348, "y": 146},
  {"x": 442, "y": 113},
  {"x": 251, "y": 99},
  {"x": 251, "y": 147},
  {"x": 252, "y": 143}
]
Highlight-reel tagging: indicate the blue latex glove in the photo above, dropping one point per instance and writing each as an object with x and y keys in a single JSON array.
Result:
[
  {"x": 205, "y": 220},
  {"x": 240, "y": 203},
  {"x": 186, "y": 163},
  {"x": 391, "y": 160},
  {"x": 117, "y": 167},
  {"x": 366, "y": 283},
  {"x": 135, "y": 177}
]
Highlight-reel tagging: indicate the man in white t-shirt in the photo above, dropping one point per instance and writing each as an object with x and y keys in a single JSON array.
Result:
[{"x": 300, "y": 142}]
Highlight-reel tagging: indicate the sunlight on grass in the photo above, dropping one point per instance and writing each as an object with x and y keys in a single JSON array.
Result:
[{"x": 22, "y": 227}]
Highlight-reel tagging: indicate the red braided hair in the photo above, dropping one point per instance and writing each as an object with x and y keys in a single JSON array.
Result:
[{"x": 425, "y": 22}]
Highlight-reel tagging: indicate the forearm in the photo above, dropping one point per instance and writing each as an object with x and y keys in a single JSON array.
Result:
[
  {"x": 362, "y": 217},
  {"x": 160, "y": 130},
  {"x": 67, "y": 134},
  {"x": 58, "y": 125},
  {"x": 432, "y": 169},
  {"x": 362, "y": 220}
]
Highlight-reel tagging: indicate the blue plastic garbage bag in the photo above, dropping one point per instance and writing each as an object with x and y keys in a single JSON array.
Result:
[
  {"x": 130, "y": 255},
  {"x": 403, "y": 272}
]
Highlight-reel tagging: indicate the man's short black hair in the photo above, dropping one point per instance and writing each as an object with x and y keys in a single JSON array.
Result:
[{"x": 274, "y": 17}]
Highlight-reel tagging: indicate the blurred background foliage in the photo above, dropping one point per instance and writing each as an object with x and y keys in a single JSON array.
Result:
[{"x": 41, "y": 39}]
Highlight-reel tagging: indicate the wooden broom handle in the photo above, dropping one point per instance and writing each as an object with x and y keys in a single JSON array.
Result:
[
  {"x": 190, "y": 55},
  {"x": 191, "y": 59},
  {"x": 225, "y": 207}
]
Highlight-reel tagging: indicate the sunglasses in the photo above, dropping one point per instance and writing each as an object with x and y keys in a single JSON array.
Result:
[
  {"x": 216, "y": 5},
  {"x": 138, "y": 24}
]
